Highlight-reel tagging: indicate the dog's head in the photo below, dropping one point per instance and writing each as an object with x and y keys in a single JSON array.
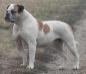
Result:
[{"x": 13, "y": 11}]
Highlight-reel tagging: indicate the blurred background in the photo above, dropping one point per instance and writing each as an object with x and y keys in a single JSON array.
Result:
[
  {"x": 71, "y": 11},
  {"x": 66, "y": 10}
]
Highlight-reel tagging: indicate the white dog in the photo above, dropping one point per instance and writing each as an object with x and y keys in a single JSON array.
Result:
[{"x": 28, "y": 33}]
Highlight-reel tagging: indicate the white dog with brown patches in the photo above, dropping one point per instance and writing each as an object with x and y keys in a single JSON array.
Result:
[{"x": 28, "y": 33}]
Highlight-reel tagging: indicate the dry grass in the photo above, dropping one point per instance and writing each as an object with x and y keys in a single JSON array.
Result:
[
  {"x": 66, "y": 10},
  {"x": 6, "y": 44},
  {"x": 45, "y": 9},
  {"x": 42, "y": 10}
]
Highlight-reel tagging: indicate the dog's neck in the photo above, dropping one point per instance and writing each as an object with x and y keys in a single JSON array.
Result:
[{"x": 23, "y": 17}]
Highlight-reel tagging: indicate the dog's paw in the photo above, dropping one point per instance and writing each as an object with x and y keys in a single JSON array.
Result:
[
  {"x": 30, "y": 67},
  {"x": 61, "y": 67},
  {"x": 22, "y": 65},
  {"x": 75, "y": 67}
]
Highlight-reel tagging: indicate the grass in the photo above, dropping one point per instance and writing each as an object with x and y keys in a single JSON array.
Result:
[{"x": 65, "y": 10}]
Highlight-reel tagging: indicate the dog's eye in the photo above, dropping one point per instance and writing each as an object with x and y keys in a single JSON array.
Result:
[{"x": 13, "y": 12}]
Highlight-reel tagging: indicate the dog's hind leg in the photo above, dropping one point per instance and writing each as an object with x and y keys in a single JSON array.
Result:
[
  {"x": 72, "y": 46},
  {"x": 59, "y": 45}
]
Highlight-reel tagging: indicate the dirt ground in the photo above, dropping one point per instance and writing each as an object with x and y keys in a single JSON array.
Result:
[{"x": 47, "y": 60}]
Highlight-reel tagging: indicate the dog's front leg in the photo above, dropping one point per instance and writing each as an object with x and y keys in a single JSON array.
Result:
[
  {"x": 32, "y": 51},
  {"x": 23, "y": 49},
  {"x": 25, "y": 52},
  {"x": 24, "y": 57}
]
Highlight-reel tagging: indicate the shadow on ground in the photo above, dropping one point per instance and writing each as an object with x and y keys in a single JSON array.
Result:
[
  {"x": 47, "y": 58},
  {"x": 47, "y": 61},
  {"x": 11, "y": 65}
]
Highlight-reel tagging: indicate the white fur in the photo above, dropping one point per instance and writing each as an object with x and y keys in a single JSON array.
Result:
[
  {"x": 11, "y": 7},
  {"x": 27, "y": 28}
]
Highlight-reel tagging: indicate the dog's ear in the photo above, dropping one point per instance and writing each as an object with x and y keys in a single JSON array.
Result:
[
  {"x": 7, "y": 6},
  {"x": 20, "y": 8}
]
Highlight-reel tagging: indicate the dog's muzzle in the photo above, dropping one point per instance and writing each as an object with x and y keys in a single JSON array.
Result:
[{"x": 9, "y": 17}]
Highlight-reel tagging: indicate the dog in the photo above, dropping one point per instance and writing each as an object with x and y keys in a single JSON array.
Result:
[{"x": 29, "y": 32}]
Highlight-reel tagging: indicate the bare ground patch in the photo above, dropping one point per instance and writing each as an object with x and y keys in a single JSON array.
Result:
[{"x": 47, "y": 60}]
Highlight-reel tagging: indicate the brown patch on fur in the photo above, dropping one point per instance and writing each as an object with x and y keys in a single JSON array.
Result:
[
  {"x": 40, "y": 25},
  {"x": 43, "y": 27},
  {"x": 46, "y": 29}
]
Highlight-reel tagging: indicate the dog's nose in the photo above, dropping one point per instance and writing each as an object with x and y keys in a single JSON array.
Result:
[
  {"x": 7, "y": 14},
  {"x": 5, "y": 18}
]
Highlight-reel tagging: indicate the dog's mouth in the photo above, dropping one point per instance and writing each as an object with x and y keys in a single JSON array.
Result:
[
  {"x": 6, "y": 19},
  {"x": 10, "y": 17},
  {"x": 9, "y": 20}
]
